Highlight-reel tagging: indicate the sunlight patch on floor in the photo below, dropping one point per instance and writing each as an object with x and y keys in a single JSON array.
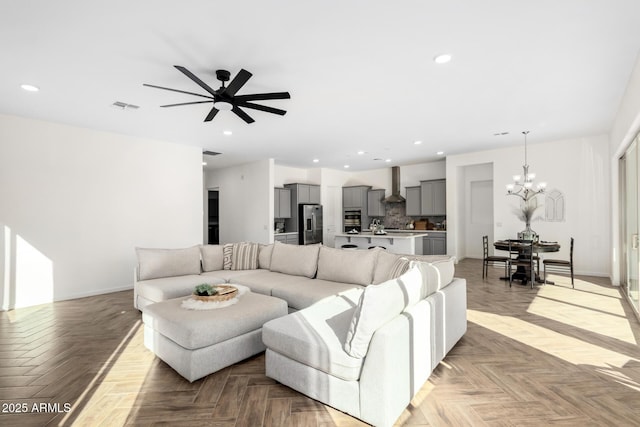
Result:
[
  {"x": 111, "y": 395},
  {"x": 569, "y": 349},
  {"x": 582, "y": 309}
]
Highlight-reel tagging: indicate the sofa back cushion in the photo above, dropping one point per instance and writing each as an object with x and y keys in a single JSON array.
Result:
[
  {"x": 435, "y": 274},
  {"x": 211, "y": 257},
  {"x": 345, "y": 266},
  {"x": 156, "y": 263},
  {"x": 378, "y": 305},
  {"x": 244, "y": 256},
  {"x": 295, "y": 260},
  {"x": 264, "y": 256},
  {"x": 384, "y": 264}
]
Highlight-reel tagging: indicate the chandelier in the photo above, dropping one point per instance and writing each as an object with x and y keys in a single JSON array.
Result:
[{"x": 523, "y": 186}]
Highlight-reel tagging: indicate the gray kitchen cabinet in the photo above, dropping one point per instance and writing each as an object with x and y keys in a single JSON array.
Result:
[
  {"x": 375, "y": 202},
  {"x": 280, "y": 238},
  {"x": 282, "y": 203},
  {"x": 433, "y": 195},
  {"x": 414, "y": 205},
  {"x": 435, "y": 244},
  {"x": 355, "y": 197},
  {"x": 314, "y": 194}
]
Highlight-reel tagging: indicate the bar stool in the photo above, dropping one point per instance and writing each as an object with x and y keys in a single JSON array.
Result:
[{"x": 349, "y": 246}]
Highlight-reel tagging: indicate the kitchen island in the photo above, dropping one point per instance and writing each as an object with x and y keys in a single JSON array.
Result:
[{"x": 409, "y": 243}]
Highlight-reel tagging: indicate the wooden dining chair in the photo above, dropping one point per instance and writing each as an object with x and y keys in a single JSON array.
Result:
[
  {"x": 491, "y": 259},
  {"x": 560, "y": 265},
  {"x": 525, "y": 259}
]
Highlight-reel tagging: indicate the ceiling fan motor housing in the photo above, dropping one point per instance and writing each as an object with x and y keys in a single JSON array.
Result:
[{"x": 223, "y": 75}]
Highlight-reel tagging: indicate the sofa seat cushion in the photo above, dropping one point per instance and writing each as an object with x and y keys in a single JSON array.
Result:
[
  {"x": 227, "y": 275},
  {"x": 314, "y": 336},
  {"x": 340, "y": 265},
  {"x": 301, "y": 295},
  {"x": 263, "y": 281},
  {"x": 157, "y": 290}
]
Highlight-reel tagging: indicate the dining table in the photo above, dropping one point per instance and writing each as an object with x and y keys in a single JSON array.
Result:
[{"x": 518, "y": 247}]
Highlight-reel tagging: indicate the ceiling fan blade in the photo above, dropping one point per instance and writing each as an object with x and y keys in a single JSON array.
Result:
[
  {"x": 263, "y": 96},
  {"x": 261, "y": 108},
  {"x": 238, "y": 81},
  {"x": 244, "y": 116},
  {"x": 193, "y": 77},
  {"x": 211, "y": 114},
  {"x": 176, "y": 90},
  {"x": 187, "y": 103}
]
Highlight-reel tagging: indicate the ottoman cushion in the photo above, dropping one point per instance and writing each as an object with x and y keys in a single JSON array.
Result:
[{"x": 193, "y": 329}]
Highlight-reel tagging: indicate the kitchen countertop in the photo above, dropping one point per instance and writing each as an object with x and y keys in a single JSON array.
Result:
[
  {"x": 284, "y": 234},
  {"x": 406, "y": 234}
]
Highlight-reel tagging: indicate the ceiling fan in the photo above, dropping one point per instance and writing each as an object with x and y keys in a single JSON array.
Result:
[{"x": 225, "y": 97}]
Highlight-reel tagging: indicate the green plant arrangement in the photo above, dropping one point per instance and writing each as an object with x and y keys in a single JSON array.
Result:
[{"x": 205, "y": 289}]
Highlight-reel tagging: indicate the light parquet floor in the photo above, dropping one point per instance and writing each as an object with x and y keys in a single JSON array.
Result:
[{"x": 551, "y": 355}]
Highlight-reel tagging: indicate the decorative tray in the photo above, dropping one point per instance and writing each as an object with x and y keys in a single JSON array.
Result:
[{"x": 225, "y": 293}]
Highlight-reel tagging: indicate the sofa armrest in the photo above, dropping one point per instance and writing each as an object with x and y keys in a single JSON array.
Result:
[
  {"x": 397, "y": 364},
  {"x": 136, "y": 278}
]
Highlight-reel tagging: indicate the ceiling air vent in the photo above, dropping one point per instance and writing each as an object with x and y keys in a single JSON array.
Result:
[
  {"x": 124, "y": 106},
  {"x": 210, "y": 153}
]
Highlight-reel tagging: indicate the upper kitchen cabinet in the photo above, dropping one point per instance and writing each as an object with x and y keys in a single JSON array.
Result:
[
  {"x": 308, "y": 193},
  {"x": 414, "y": 205},
  {"x": 375, "y": 204},
  {"x": 282, "y": 203},
  {"x": 355, "y": 197},
  {"x": 433, "y": 196}
]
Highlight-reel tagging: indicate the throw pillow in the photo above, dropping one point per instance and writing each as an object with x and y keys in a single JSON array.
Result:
[
  {"x": 378, "y": 305},
  {"x": 157, "y": 263},
  {"x": 244, "y": 256},
  {"x": 227, "y": 251},
  {"x": 399, "y": 267},
  {"x": 212, "y": 257}
]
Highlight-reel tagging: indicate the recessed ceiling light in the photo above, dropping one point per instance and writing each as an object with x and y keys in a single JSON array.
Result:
[
  {"x": 316, "y": 160},
  {"x": 30, "y": 88},
  {"x": 442, "y": 58},
  {"x": 417, "y": 142},
  {"x": 346, "y": 166},
  {"x": 388, "y": 160},
  {"x": 204, "y": 163},
  {"x": 361, "y": 152},
  {"x": 227, "y": 132},
  {"x": 440, "y": 153}
]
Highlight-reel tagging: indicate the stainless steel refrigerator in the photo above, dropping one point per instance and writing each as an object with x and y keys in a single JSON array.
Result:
[{"x": 309, "y": 224}]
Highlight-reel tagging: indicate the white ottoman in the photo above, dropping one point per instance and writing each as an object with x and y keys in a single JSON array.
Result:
[{"x": 197, "y": 343}]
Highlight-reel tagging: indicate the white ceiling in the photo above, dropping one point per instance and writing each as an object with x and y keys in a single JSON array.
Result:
[{"x": 360, "y": 73}]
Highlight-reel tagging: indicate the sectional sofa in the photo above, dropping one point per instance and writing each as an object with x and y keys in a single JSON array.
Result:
[{"x": 365, "y": 328}]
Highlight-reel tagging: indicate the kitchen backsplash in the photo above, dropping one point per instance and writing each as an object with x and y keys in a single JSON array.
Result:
[{"x": 396, "y": 216}]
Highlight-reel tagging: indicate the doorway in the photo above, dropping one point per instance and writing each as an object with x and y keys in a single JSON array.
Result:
[
  {"x": 213, "y": 235},
  {"x": 630, "y": 223}
]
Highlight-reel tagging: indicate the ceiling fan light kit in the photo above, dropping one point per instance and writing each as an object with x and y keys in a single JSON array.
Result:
[{"x": 225, "y": 98}]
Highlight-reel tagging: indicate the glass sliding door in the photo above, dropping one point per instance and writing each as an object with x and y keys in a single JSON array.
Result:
[{"x": 630, "y": 223}]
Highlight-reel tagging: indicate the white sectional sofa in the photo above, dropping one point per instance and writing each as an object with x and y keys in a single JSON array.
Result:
[{"x": 365, "y": 328}]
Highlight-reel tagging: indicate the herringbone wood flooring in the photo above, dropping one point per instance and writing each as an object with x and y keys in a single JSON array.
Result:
[{"x": 551, "y": 355}]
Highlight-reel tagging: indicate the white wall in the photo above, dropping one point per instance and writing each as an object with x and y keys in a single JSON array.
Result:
[
  {"x": 75, "y": 202},
  {"x": 580, "y": 168},
  {"x": 246, "y": 201}
]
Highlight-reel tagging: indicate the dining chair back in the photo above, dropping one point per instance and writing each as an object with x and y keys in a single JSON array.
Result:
[
  {"x": 525, "y": 260},
  {"x": 492, "y": 259},
  {"x": 560, "y": 265}
]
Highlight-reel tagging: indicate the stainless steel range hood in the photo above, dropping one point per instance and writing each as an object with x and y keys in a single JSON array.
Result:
[{"x": 395, "y": 196}]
